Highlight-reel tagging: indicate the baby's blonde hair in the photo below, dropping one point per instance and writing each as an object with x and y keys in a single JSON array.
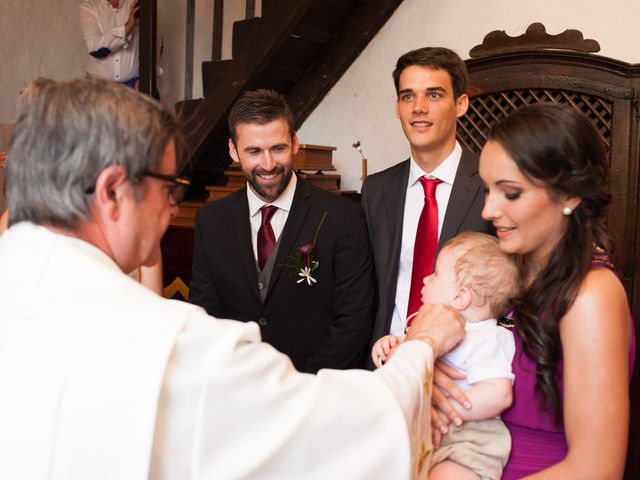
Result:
[{"x": 491, "y": 274}]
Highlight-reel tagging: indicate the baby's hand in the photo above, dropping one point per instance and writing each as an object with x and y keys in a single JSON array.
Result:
[{"x": 383, "y": 348}]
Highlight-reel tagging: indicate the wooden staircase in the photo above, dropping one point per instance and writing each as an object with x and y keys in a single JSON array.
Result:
[{"x": 298, "y": 47}]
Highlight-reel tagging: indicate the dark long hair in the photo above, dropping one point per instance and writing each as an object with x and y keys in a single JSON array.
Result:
[{"x": 559, "y": 147}]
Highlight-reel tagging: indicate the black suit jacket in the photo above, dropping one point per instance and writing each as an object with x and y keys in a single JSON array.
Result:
[
  {"x": 383, "y": 198},
  {"x": 328, "y": 324}
]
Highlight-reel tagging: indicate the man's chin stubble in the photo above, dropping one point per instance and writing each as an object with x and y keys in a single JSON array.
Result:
[{"x": 271, "y": 194}]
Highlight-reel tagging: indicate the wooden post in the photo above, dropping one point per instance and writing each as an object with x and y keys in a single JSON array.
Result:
[{"x": 148, "y": 28}]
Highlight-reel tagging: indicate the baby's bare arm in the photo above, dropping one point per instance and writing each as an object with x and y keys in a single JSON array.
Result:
[{"x": 489, "y": 398}]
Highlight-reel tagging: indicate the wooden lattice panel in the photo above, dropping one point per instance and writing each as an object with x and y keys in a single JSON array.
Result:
[{"x": 485, "y": 110}]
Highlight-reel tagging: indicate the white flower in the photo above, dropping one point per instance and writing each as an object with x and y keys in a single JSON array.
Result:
[{"x": 305, "y": 273}]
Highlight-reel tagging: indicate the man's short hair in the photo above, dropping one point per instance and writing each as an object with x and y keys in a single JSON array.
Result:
[
  {"x": 260, "y": 106},
  {"x": 436, "y": 58},
  {"x": 70, "y": 132},
  {"x": 480, "y": 265}
]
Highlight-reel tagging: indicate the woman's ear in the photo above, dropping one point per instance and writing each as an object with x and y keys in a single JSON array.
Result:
[
  {"x": 463, "y": 298},
  {"x": 571, "y": 202},
  {"x": 108, "y": 191}
]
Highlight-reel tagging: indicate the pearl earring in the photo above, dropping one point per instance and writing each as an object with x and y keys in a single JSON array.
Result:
[{"x": 566, "y": 211}]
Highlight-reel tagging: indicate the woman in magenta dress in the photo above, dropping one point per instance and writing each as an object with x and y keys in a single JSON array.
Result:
[{"x": 545, "y": 175}]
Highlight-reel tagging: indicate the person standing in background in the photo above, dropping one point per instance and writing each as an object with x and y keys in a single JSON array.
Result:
[{"x": 110, "y": 31}]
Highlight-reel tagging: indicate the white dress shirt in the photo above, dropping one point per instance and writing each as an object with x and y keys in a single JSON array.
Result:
[
  {"x": 103, "y": 379},
  {"x": 279, "y": 218},
  {"x": 104, "y": 26},
  {"x": 414, "y": 202}
]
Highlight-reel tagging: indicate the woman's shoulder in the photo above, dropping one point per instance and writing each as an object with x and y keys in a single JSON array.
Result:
[
  {"x": 601, "y": 284},
  {"x": 600, "y": 303}
]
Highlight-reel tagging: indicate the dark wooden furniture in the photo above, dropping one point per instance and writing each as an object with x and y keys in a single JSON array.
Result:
[{"x": 507, "y": 73}]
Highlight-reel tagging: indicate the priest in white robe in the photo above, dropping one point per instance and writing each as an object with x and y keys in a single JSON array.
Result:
[{"x": 102, "y": 379}]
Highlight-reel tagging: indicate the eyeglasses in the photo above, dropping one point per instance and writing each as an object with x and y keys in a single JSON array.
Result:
[
  {"x": 179, "y": 186},
  {"x": 176, "y": 191}
]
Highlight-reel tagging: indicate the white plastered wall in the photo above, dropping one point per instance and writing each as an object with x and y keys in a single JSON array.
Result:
[
  {"x": 39, "y": 38},
  {"x": 361, "y": 106},
  {"x": 171, "y": 48}
]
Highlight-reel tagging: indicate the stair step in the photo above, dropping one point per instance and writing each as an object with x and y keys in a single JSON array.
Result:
[
  {"x": 241, "y": 30},
  {"x": 214, "y": 72}
]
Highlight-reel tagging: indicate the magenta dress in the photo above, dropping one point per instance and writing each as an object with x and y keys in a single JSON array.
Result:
[{"x": 536, "y": 441}]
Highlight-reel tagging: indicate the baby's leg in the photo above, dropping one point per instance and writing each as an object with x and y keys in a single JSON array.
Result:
[{"x": 448, "y": 470}]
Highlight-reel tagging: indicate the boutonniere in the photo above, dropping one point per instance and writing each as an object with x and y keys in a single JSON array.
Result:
[{"x": 303, "y": 261}]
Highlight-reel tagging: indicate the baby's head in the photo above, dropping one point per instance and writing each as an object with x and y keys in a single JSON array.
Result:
[{"x": 473, "y": 276}]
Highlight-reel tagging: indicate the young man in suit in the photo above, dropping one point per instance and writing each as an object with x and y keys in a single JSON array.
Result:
[
  {"x": 247, "y": 260},
  {"x": 431, "y": 86}
]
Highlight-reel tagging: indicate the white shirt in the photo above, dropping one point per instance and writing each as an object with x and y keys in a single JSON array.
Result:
[
  {"x": 103, "y": 379},
  {"x": 279, "y": 218},
  {"x": 486, "y": 352},
  {"x": 414, "y": 202},
  {"x": 103, "y": 26}
]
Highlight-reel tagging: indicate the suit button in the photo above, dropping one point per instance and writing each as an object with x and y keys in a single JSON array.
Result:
[
  {"x": 260, "y": 286},
  {"x": 262, "y": 321}
]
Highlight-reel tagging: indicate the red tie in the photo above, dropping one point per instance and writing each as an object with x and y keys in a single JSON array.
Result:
[
  {"x": 266, "y": 237},
  {"x": 425, "y": 246}
]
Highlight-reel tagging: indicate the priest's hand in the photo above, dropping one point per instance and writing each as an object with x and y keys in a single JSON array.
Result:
[{"x": 439, "y": 326}]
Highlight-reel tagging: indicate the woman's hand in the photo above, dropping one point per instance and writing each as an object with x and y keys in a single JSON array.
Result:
[{"x": 442, "y": 411}]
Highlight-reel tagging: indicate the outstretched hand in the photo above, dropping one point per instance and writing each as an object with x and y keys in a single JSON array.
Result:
[{"x": 383, "y": 348}]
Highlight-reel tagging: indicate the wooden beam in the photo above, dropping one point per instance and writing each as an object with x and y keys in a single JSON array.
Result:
[
  {"x": 189, "y": 50},
  {"x": 311, "y": 34},
  {"x": 250, "y": 9},
  {"x": 148, "y": 22},
  {"x": 353, "y": 37},
  {"x": 218, "y": 26},
  {"x": 284, "y": 72}
]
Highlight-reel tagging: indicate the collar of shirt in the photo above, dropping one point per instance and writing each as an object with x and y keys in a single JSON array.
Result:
[
  {"x": 279, "y": 219},
  {"x": 283, "y": 202},
  {"x": 446, "y": 171},
  {"x": 480, "y": 325}
]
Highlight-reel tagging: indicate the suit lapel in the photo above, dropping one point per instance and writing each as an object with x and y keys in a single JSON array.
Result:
[
  {"x": 464, "y": 191},
  {"x": 395, "y": 193},
  {"x": 242, "y": 227},
  {"x": 297, "y": 215}
]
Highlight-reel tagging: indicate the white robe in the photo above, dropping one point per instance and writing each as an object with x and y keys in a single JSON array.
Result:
[{"x": 102, "y": 379}]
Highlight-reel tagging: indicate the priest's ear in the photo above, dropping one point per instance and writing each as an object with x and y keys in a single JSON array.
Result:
[{"x": 109, "y": 191}]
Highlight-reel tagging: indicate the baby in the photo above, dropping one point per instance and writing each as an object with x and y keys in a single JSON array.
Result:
[{"x": 476, "y": 278}]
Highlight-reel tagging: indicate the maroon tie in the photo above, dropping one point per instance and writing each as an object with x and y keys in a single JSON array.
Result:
[
  {"x": 425, "y": 246},
  {"x": 266, "y": 237}
]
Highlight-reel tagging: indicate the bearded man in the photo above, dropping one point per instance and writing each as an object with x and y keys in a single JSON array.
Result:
[{"x": 313, "y": 303}]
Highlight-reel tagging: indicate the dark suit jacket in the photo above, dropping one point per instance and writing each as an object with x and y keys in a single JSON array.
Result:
[
  {"x": 383, "y": 198},
  {"x": 328, "y": 324}
]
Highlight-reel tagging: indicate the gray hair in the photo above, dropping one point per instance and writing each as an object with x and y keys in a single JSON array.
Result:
[{"x": 69, "y": 132}]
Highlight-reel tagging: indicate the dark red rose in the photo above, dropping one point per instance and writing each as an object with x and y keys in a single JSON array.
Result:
[{"x": 306, "y": 251}]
